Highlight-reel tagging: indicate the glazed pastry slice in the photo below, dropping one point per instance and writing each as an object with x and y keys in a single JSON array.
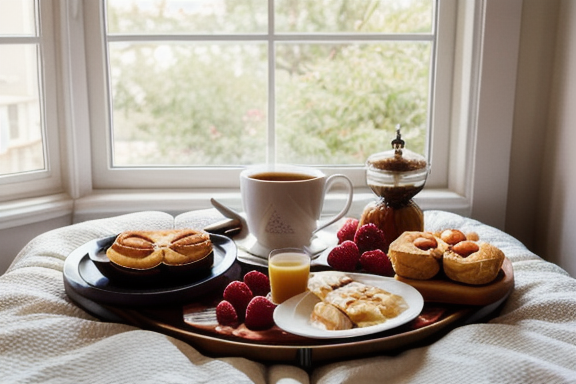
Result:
[
  {"x": 322, "y": 283},
  {"x": 363, "y": 304},
  {"x": 366, "y": 305},
  {"x": 327, "y": 316}
]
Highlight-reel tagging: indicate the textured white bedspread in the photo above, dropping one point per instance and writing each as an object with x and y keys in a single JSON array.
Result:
[{"x": 45, "y": 338}]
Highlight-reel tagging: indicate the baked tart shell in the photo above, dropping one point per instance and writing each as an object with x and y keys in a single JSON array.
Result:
[{"x": 412, "y": 262}]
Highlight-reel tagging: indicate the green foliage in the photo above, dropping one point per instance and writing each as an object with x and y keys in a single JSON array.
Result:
[
  {"x": 348, "y": 103},
  {"x": 197, "y": 107}
]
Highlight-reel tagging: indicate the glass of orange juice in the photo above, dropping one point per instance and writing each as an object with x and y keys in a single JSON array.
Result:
[{"x": 288, "y": 271}]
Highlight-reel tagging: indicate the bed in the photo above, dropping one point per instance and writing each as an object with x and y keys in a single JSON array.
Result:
[{"x": 46, "y": 338}]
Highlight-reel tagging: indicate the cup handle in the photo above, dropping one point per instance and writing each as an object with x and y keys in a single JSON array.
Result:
[{"x": 331, "y": 180}]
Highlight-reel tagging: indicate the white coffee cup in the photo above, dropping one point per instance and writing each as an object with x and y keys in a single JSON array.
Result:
[{"x": 283, "y": 203}]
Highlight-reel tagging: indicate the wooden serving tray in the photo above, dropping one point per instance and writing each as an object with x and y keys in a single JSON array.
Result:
[
  {"x": 443, "y": 290},
  {"x": 193, "y": 320},
  {"x": 277, "y": 346}
]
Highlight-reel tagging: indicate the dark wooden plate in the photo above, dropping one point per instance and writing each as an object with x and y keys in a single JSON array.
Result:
[
  {"x": 83, "y": 277},
  {"x": 444, "y": 290}
]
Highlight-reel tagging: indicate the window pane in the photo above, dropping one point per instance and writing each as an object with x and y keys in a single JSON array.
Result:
[
  {"x": 17, "y": 17},
  {"x": 187, "y": 16},
  {"x": 189, "y": 104},
  {"x": 339, "y": 103},
  {"x": 21, "y": 147},
  {"x": 366, "y": 16}
]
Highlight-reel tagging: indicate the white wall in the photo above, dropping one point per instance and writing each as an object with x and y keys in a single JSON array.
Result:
[
  {"x": 535, "y": 63},
  {"x": 557, "y": 206},
  {"x": 12, "y": 240},
  {"x": 541, "y": 209}
]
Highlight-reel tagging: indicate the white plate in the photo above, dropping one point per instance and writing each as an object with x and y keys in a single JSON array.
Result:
[{"x": 294, "y": 314}]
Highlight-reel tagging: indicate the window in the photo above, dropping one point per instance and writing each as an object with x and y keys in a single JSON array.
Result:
[
  {"x": 25, "y": 95},
  {"x": 473, "y": 55},
  {"x": 197, "y": 86}
]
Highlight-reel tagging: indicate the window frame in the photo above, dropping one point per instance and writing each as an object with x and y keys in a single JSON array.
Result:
[{"x": 105, "y": 176}]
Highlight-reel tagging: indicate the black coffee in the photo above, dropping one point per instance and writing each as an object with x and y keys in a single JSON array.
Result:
[{"x": 281, "y": 176}]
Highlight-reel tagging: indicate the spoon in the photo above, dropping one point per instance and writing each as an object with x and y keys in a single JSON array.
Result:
[{"x": 237, "y": 219}]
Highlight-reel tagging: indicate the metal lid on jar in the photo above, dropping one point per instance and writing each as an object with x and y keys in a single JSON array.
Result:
[
  {"x": 397, "y": 174},
  {"x": 397, "y": 159}
]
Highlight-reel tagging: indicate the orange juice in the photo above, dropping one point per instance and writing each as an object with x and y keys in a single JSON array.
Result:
[{"x": 288, "y": 272}]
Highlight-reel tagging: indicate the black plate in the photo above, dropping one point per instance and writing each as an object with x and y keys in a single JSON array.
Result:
[
  {"x": 82, "y": 277},
  {"x": 151, "y": 277}
]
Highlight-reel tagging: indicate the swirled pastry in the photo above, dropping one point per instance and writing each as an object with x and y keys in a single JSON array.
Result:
[
  {"x": 147, "y": 249},
  {"x": 417, "y": 255},
  {"x": 473, "y": 263}
]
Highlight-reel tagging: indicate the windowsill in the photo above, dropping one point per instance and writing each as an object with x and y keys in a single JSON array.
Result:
[
  {"x": 112, "y": 203},
  {"x": 20, "y": 212}
]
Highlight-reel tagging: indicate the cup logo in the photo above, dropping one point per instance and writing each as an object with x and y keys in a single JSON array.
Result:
[{"x": 277, "y": 225}]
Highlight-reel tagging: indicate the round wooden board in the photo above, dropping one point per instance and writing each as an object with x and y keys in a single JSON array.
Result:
[{"x": 447, "y": 291}]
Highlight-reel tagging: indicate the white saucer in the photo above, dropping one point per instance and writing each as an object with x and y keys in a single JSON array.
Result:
[{"x": 251, "y": 252}]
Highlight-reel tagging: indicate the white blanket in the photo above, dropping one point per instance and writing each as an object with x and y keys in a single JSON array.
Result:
[{"x": 45, "y": 338}]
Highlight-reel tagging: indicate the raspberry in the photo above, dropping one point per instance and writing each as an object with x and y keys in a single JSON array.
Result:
[
  {"x": 348, "y": 230},
  {"x": 239, "y": 295},
  {"x": 226, "y": 314},
  {"x": 259, "y": 314},
  {"x": 344, "y": 257},
  {"x": 376, "y": 262},
  {"x": 369, "y": 237},
  {"x": 258, "y": 283}
]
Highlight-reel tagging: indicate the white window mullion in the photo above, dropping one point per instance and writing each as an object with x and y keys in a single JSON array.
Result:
[
  {"x": 271, "y": 129},
  {"x": 433, "y": 78},
  {"x": 445, "y": 103},
  {"x": 75, "y": 109}
]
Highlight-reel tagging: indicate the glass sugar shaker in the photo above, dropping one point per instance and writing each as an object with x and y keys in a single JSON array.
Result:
[{"x": 395, "y": 176}]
